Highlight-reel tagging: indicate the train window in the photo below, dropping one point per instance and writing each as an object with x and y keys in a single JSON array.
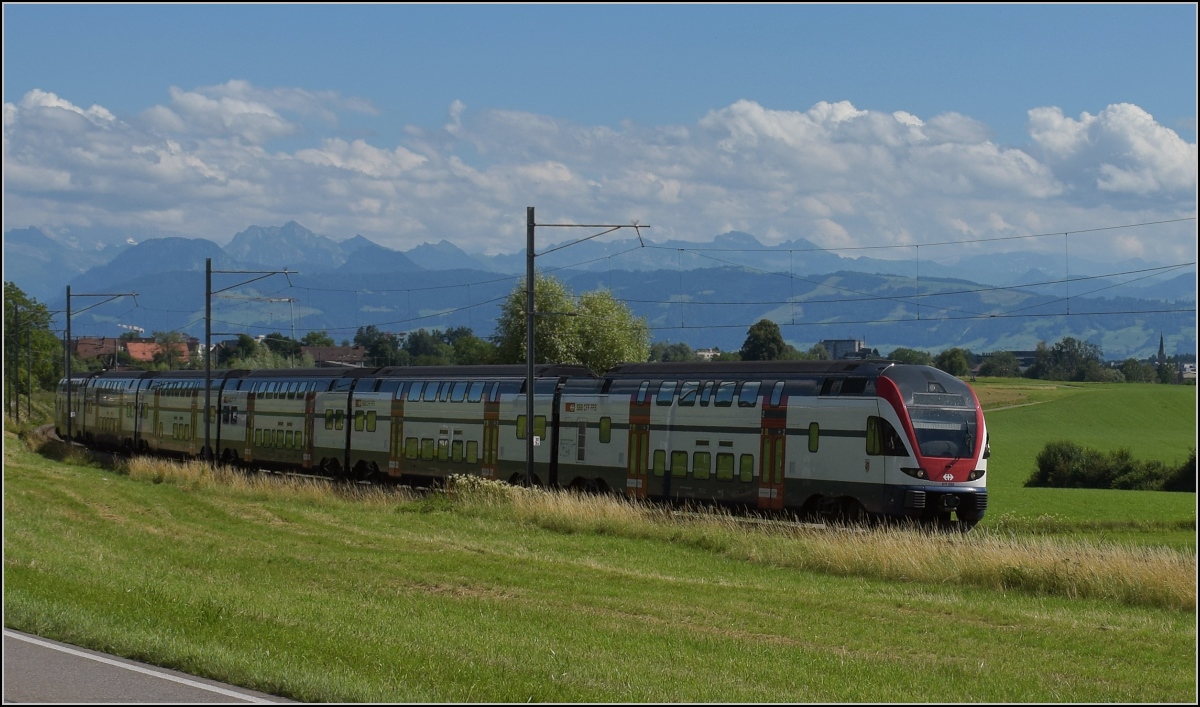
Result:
[
  {"x": 225, "y": 415},
  {"x": 748, "y": 396},
  {"x": 641, "y": 394},
  {"x": 257, "y": 437},
  {"x": 701, "y": 464},
  {"x": 831, "y": 386},
  {"x": 291, "y": 439},
  {"x": 777, "y": 394},
  {"x": 410, "y": 448},
  {"x": 746, "y": 473},
  {"x": 299, "y": 439},
  {"x": 359, "y": 416},
  {"x": 605, "y": 430},
  {"x": 458, "y": 391},
  {"x": 814, "y": 436},
  {"x": 431, "y": 391},
  {"x": 389, "y": 386},
  {"x": 371, "y": 420},
  {"x": 339, "y": 417},
  {"x": 779, "y": 460},
  {"x": 444, "y": 387},
  {"x": 475, "y": 392},
  {"x": 539, "y": 426},
  {"x": 329, "y": 418},
  {"x": 520, "y": 427},
  {"x": 853, "y": 386},
  {"x": 426, "y": 448},
  {"x": 212, "y": 413},
  {"x": 882, "y": 438},
  {"x": 687, "y": 392},
  {"x": 414, "y": 390},
  {"x": 706, "y": 393},
  {"x": 725, "y": 394},
  {"x": 679, "y": 465},
  {"x": 666, "y": 392},
  {"x": 659, "y": 463},
  {"x": 472, "y": 452},
  {"x": 456, "y": 451},
  {"x": 443, "y": 449},
  {"x": 725, "y": 466}
]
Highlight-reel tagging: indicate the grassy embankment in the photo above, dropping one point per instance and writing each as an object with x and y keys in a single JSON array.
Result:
[{"x": 496, "y": 594}]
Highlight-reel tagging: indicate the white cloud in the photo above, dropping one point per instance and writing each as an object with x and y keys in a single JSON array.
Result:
[
  {"x": 1121, "y": 149},
  {"x": 835, "y": 174}
]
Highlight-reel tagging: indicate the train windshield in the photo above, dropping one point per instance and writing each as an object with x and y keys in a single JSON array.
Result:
[
  {"x": 944, "y": 433},
  {"x": 942, "y": 410}
]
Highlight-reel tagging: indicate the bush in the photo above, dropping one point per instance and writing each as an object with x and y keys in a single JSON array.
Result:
[{"x": 1064, "y": 464}]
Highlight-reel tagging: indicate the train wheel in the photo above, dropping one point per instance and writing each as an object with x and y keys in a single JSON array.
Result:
[{"x": 852, "y": 512}]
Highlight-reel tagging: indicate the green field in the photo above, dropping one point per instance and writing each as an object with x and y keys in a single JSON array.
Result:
[
  {"x": 321, "y": 594},
  {"x": 1153, "y": 421}
]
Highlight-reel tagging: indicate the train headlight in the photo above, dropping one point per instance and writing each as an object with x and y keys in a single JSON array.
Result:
[
  {"x": 975, "y": 474},
  {"x": 916, "y": 473}
]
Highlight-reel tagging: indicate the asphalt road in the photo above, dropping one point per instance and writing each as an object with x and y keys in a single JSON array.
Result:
[{"x": 37, "y": 670}]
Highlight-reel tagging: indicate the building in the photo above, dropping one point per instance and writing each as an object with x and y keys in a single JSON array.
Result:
[
  {"x": 139, "y": 349},
  {"x": 845, "y": 348}
]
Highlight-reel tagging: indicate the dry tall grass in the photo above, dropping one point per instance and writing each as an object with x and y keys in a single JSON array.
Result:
[
  {"x": 1005, "y": 562},
  {"x": 990, "y": 560}
]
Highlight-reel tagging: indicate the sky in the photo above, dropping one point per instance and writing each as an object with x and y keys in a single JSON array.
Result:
[{"x": 850, "y": 126}]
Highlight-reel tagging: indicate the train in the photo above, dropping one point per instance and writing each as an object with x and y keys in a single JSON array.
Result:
[{"x": 849, "y": 440}]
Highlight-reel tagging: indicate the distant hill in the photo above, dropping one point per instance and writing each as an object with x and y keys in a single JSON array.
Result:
[
  {"x": 288, "y": 246},
  {"x": 704, "y": 294}
]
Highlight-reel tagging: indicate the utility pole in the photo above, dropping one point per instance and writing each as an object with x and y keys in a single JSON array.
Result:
[
  {"x": 208, "y": 293},
  {"x": 530, "y": 227},
  {"x": 111, "y": 297}
]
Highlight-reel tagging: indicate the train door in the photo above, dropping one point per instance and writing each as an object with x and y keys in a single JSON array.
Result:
[
  {"x": 772, "y": 448},
  {"x": 310, "y": 412},
  {"x": 396, "y": 434},
  {"x": 636, "y": 479},
  {"x": 491, "y": 431},
  {"x": 192, "y": 420},
  {"x": 248, "y": 449}
]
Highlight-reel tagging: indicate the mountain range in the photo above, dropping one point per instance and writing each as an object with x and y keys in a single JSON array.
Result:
[{"x": 706, "y": 294}]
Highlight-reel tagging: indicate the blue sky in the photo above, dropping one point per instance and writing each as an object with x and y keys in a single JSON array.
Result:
[{"x": 846, "y": 125}]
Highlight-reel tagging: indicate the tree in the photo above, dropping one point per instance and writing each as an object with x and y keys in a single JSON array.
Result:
[
  {"x": 170, "y": 354},
  {"x": 955, "y": 361},
  {"x": 663, "y": 351},
  {"x": 1136, "y": 371},
  {"x": 282, "y": 345},
  {"x": 470, "y": 350},
  {"x": 609, "y": 333},
  {"x": 31, "y": 343},
  {"x": 1002, "y": 364},
  {"x": 245, "y": 348},
  {"x": 764, "y": 342},
  {"x": 1166, "y": 372},
  {"x": 1068, "y": 360},
  {"x": 555, "y": 336},
  {"x": 382, "y": 347},
  {"x": 598, "y": 332},
  {"x": 428, "y": 348},
  {"x": 317, "y": 338},
  {"x": 912, "y": 356},
  {"x": 818, "y": 353}
]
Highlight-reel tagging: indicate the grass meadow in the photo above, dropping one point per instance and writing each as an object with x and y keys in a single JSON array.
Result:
[{"x": 488, "y": 593}]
